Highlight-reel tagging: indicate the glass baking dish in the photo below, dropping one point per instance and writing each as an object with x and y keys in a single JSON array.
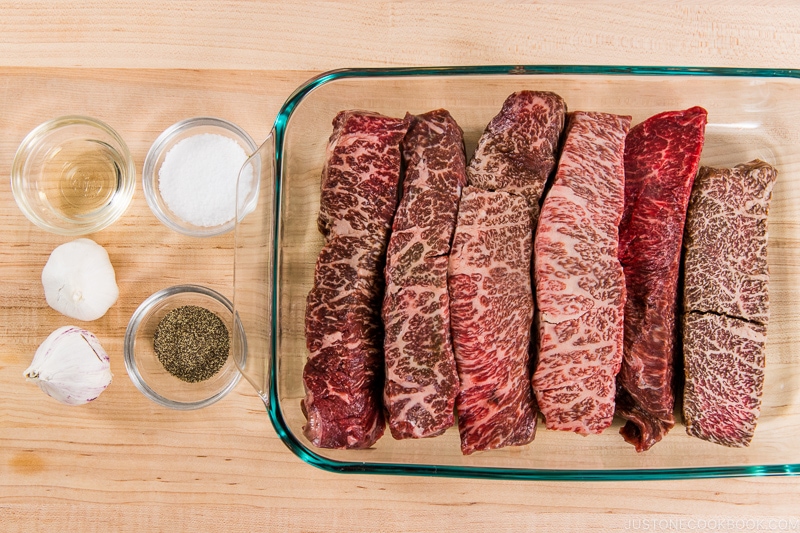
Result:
[{"x": 752, "y": 113}]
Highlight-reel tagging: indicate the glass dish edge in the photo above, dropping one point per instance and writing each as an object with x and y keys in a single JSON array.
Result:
[{"x": 410, "y": 469}]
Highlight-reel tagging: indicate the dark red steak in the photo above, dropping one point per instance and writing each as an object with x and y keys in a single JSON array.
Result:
[
  {"x": 662, "y": 155},
  {"x": 491, "y": 310},
  {"x": 580, "y": 287},
  {"x": 421, "y": 378},
  {"x": 726, "y": 301},
  {"x": 343, "y": 376}
]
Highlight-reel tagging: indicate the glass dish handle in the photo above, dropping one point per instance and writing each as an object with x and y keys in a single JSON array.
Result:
[{"x": 254, "y": 252}]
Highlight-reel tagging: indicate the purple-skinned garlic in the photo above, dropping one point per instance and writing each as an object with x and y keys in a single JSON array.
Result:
[{"x": 71, "y": 366}]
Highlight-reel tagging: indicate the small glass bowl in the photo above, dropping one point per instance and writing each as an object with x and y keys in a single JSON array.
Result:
[
  {"x": 155, "y": 158},
  {"x": 147, "y": 372},
  {"x": 73, "y": 175}
]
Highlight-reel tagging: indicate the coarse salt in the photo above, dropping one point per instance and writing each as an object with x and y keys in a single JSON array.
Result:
[{"x": 197, "y": 179}]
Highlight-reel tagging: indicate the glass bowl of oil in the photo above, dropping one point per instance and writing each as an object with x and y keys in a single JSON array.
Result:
[{"x": 73, "y": 175}]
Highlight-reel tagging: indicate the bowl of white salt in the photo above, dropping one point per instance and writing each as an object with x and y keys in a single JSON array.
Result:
[{"x": 192, "y": 172}]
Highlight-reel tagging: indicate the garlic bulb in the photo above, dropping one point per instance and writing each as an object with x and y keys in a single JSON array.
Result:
[
  {"x": 71, "y": 366},
  {"x": 79, "y": 280}
]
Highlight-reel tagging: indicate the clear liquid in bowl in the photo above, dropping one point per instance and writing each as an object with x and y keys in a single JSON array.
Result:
[{"x": 80, "y": 177}]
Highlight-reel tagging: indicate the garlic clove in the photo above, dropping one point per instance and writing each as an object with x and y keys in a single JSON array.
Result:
[
  {"x": 79, "y": 280},
  {"x": 71, "y": 366}
]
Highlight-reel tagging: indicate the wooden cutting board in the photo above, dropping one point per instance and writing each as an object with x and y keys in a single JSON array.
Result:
[{"x": 125, "y": 463}]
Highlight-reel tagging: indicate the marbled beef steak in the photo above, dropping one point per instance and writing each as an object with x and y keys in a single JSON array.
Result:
[
  {"x": 491, "y": 309},
  {"x": 490, "y": 270},
  {"x": 726, "y": 301},
  {"x": 724, "y": 377},
  {"x": 421, "y": 378},
  {"x": 518, "y": 150},
  {"x": 343, "y": 376},
  {"x": 580, "y": 287}
]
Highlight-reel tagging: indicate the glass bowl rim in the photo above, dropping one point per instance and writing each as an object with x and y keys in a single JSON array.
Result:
[{"x": 162, "y": 144}]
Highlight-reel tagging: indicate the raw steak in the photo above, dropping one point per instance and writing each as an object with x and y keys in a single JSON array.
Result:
[
  {"x": 491, "y": 310},
  {"x": 726, "y": 242},
  {"x": 517, "y": 152},
  {"x": 724, "y": 377},
  {"x": 421, "y": 378},
  {"x": 726, "y": 301},
  {"x": 661, "y": 159},
  {"x": 580, "y": 287},
  {"x": 343, "y": 376},
  {"x": 360, "y": 176}
]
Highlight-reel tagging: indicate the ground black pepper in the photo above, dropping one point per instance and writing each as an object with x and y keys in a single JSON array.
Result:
[{"x": 192, "y": 343}]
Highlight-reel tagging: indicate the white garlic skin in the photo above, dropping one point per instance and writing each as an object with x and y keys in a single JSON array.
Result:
[
  {"x": 71, "y": 366},
  {"x": 79, "y": 280}
]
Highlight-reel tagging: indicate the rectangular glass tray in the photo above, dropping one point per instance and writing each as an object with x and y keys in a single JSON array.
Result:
[{"x": 752, "y": 113}]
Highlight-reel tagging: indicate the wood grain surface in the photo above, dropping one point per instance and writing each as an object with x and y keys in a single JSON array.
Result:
[{"x": 123, "y": 463}]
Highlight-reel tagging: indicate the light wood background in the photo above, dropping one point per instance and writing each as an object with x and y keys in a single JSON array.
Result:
[{"x": 124, "y": 464}]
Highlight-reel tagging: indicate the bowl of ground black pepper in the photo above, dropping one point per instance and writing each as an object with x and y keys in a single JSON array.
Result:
[{"x": 177, "y": 347}]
